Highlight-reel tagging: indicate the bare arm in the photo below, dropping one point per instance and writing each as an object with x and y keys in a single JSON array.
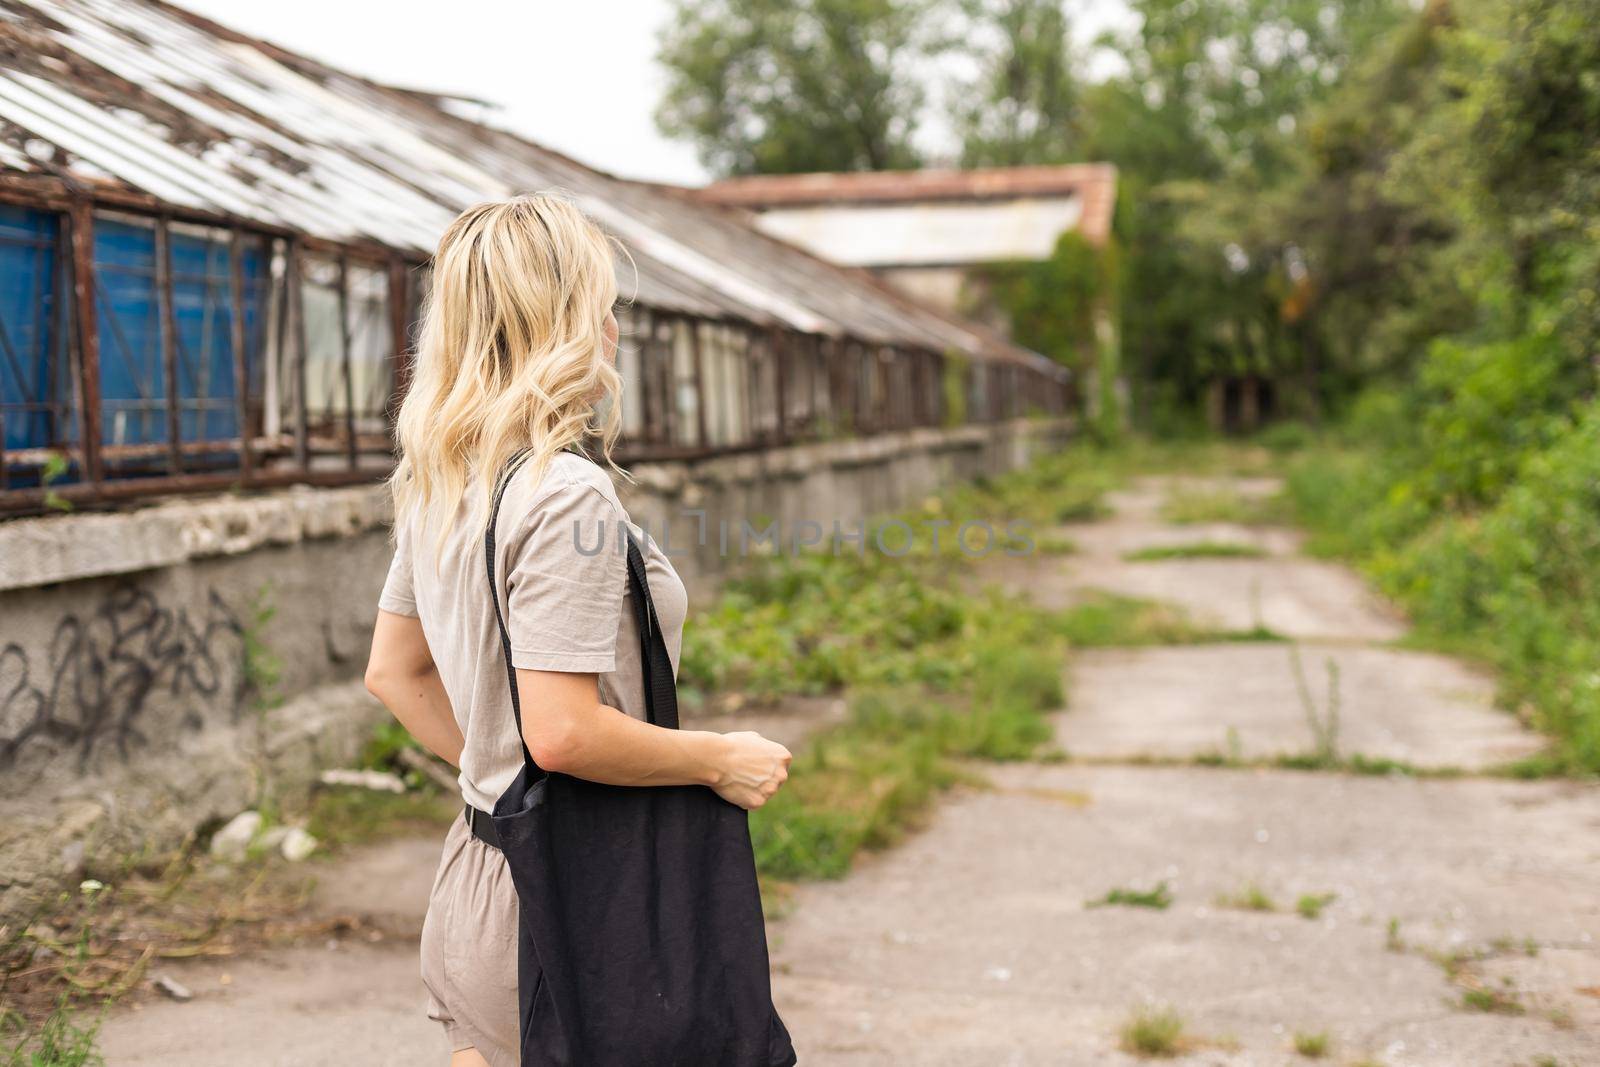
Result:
[
  {"x": 567, "y": 729},
  {"x": 401, "y": 673}
]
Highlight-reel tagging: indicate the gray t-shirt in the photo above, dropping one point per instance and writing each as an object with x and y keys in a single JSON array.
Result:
[{"x": 563, "y": 581}]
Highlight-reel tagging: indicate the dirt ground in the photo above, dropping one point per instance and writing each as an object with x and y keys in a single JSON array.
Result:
[{"x": 975, "y": 941}]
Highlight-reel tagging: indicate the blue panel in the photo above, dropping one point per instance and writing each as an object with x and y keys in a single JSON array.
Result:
[
  {"x": 132, "y": 378},
  {"x": 132, "y": 384},
  {"x": 28, "y": 317},
  {"x": 205, "y": 369},
  {"x": 203, "y": 307}
]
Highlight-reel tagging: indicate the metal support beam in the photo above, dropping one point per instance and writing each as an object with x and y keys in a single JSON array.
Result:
[
  {"x": 167, "y": 332},
  {"x": 399, "y": 330},
  {"x": 780, "y": 390},
  {"x": 295, "y": 297},
  {"x": 703, "y": 436},
  {"x": 241, "y": 366},
  {"x": 81, "y": 217},
  {"x": 344, "y": 359},
  {"x": 667, "y": 358}
]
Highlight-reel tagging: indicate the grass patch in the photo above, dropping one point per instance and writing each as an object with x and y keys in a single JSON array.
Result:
[
  {"x": 1158, "y": 898},
  {"x": 61, "y": 1040},
  {"x": 1154, "y": 1032},
  {"x": 342, "y": 815},
  {"x": 1250, "y": 898},
  {"x": 1380, "y": 766},
  {"x": 860, "y": 785},
  {"x": 1310, "y": 905},
  {"x": 1209, "y": 456},
  {"x": 1304, "y": 761},
  {"x": 1553, "y": 763},
  {"x": 1063, "y": 487},
  {"x": 1313, "y": 1046},
  {"x": 1189, "y": 505},
  {"x": 1198, "y": 550},
  {"x": 1107, "y": 620},
  {"x": 1492, "y": 1001}
]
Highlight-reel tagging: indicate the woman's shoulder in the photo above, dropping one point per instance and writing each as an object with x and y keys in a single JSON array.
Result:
[{"x": 572, "y": 477}]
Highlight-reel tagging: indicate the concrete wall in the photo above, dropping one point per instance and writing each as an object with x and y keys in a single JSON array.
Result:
[{"x": 165, "y": 667}]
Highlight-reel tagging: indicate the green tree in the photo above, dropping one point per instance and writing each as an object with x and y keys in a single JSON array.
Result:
[
  {"x": 1524, "y": 82},
  {"x": 1022, "y": 107},
  {"x": 1204, "y": 125},
  {"x": 1053, "y": 304},
  {"x": 784, "y": 86}
]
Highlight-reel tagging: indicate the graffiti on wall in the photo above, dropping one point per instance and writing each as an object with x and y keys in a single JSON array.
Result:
[{"x": 101, "y": 674}]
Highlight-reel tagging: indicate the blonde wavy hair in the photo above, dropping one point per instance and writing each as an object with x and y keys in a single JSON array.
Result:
[{"x": 512, "y": 354}]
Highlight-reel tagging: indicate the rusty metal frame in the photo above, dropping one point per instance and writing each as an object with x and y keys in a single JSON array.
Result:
[
  {"x": 167, "y": 331},
  {"x": 241, "y": 369},
  {"x": 399, "y": 336},
  {"x": 81, "y": 218},
  {"x": 661, "y": 333},
  {"x": 344, "y": 362},
  {"x": 644, "y": 329},
  {"x": 294, "y": 299},
  {"x": 696, "y": 343},
  {"x": 866, "y": 386}
]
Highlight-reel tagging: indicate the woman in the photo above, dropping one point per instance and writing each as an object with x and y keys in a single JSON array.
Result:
[{"x": 518, "y": 351}]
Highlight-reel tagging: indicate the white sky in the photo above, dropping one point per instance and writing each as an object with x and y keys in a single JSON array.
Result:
[{"x": 577, "y": 75}]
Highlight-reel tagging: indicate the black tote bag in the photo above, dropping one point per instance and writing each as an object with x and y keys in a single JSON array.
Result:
[{"x": 640, "y": 936}]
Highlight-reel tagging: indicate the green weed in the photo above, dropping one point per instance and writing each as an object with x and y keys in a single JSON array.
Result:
[
  {"x": 1107, "y": 620},
  {"x": 1313, "y": 1046},
  {"x": 56, "y": 466},
  {"x": 61, "y": 1040},
  {"x": 1324, "y": 724},
  {"x": 1198, "y": 550},
  {"x": 1310, "y": 905},
  {"x": 1154, "y": 1032},
  {"x": 1159, "y": 898},
  {"x": 1188, "y": 506},
  {"x": 1493, "y": 1001},
  {"x": 1250, "y": 898},
  {"x": 263, "y": 669},
  {"x": 343, "y": 815}
]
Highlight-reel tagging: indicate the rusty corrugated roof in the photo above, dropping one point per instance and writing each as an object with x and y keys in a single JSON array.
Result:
[
  {"x": 1094, "y": 183},
  {"x": 139, "y": 98}
]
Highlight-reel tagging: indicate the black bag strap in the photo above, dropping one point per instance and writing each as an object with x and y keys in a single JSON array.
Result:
[
  {"x": 510, "y": 468},
  {"x": 655, "y": 663},
  {"x": 660, "y": 685}
]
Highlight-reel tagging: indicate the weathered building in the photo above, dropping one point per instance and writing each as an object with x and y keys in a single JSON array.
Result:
[
  {"x": 943, "y": 236},
  {"x": 212, "y": 254},
  {"x": 928, "y": 231}
]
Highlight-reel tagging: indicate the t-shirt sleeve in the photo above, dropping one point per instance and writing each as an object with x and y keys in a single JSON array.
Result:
[
  {"x": 565, "y": 584},
  {"x": 398, "y": 596}
]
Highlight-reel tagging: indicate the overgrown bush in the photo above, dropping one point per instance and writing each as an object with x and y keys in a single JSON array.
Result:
[{"x": 1514, "y": 579}]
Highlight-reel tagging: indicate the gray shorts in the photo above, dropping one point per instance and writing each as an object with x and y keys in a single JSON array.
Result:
[{"x": 469, "y": 949}]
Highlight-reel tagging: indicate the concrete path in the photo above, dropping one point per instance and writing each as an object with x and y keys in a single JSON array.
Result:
[
  {"x": 1245, "y": 701},
  {"x": 1254, "y": 701},
  {"x": 1283, "y": 591},
  {"x": 974, "y": 942}
]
